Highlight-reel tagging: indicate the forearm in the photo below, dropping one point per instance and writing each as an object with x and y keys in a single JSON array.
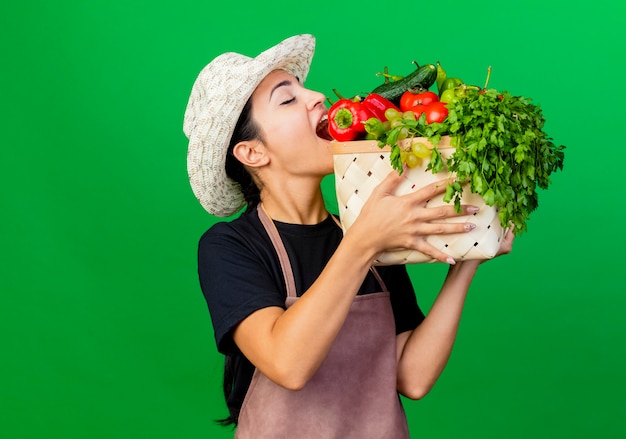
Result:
[{"x": 424, "y": 352}]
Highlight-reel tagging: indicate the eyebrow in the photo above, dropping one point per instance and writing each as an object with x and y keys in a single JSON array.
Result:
[{"x": 284, "y": 83}]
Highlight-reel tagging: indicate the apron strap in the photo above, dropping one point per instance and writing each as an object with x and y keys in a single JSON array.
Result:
[
  {"x": 379, "y": 279},
  {"x": 285, "y": 265},
  {"x": 283, "y": 257}
]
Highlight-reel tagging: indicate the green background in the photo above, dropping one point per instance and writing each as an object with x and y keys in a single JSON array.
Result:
[{"x": 103, "y": 329}]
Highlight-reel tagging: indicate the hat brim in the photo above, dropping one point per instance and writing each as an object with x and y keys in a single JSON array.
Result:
[{"x": 217, "y": 98}]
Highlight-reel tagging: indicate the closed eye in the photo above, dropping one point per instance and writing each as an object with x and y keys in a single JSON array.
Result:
[{"x": 289, "y": 101}]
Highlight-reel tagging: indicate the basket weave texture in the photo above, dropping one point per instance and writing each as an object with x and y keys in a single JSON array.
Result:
[{"x": 361, "y": 165}]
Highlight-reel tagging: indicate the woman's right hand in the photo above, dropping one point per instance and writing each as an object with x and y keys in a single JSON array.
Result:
[{"x": 390, "y": 222}]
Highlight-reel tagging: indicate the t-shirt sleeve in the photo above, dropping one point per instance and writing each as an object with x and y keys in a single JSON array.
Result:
[
  {"x": 235, "y": 279},
  {"x": 406, "y": 310}
]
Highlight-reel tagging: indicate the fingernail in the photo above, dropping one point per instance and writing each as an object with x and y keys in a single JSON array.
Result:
[
  {"x": 450, "y": 261},
  {"x": 473, "y": 209},
  {"x": 470, "y": 226}
]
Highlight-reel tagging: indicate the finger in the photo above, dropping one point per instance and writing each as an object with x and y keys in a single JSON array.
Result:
[
  {"x": 434, "y": 228},
  {"x": 388, "y": 184},
  {"x": 444, "y": 211},
  {"x": 507, "y": 241},
  {"x": 430, "y": 191},
  {"x": 428, "y": 249},
  {"x": 509, "y": 232}
]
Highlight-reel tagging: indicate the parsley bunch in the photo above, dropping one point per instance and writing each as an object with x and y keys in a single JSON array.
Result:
[{"x": 501, "y": 151}]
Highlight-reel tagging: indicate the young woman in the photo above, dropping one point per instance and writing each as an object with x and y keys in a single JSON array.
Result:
[{"x": 318, "y": 344}]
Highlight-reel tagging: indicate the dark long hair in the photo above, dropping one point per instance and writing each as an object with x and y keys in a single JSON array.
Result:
[{"x": 245, "y": 130}]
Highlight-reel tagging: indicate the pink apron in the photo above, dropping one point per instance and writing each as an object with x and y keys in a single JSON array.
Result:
[{"x": 353, "y": 393}]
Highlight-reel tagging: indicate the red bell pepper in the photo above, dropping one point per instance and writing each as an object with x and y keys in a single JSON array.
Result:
[
  {"x": 346, "y": 119},
  {"x": 377, "y": 105}
]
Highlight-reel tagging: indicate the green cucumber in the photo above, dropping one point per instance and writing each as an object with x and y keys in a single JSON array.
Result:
[{"x": 423, "y": 77}]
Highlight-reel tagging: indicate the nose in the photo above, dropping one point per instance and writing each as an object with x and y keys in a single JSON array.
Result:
[{"x": 316, "y": 98}]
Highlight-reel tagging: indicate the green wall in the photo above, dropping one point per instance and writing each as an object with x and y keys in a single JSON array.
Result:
[{"x": 103, "y": 329}]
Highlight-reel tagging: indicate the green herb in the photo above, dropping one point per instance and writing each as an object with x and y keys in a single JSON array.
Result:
[{"x": 501, "y": 151}]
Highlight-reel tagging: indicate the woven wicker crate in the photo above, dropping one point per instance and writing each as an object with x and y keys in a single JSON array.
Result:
[{"x": 361, "y": 165}]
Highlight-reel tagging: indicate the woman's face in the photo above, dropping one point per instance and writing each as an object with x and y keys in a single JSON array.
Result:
[{"x": 292, "y": 121}]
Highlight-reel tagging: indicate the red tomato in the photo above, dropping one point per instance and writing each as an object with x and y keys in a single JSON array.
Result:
[
  {"x": 408, "y": 100},
  {"x": 436, "y": 112},
  {"x": 418, "y": 110}
]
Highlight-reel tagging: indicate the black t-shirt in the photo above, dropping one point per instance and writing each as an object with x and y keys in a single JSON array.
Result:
[{"x": 240, "y": 273}]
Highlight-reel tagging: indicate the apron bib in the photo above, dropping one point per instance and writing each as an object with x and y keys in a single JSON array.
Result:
[{"x": 353, "y": 393}]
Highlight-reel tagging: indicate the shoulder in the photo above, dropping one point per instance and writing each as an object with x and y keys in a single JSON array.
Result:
[
  {"x": 240, "y": 226},
  {"x": 240, "y": 244},
  {"x": 244, "y": 231}
]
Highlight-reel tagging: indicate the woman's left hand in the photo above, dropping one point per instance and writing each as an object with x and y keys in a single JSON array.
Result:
[{"x": 507, "y": 242}]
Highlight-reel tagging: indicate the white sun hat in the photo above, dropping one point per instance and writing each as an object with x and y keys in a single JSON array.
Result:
[{"x": 217, "y": 98}]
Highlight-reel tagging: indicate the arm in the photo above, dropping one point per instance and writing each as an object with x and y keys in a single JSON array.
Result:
[
  {"x": 424, "y": 352},
  {"x": 289, "y": 345}
]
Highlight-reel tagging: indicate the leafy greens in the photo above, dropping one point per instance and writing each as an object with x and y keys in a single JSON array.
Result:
[{"x": 501, "y": 151}]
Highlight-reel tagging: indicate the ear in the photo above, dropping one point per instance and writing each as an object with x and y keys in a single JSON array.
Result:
[{"x": 251, "y": 153}]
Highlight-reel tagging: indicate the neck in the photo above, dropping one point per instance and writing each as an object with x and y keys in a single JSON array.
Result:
[{"x": 295, "y": 207}]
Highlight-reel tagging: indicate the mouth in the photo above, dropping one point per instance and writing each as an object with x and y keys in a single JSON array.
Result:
[{"x": 322, "y": 129}]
